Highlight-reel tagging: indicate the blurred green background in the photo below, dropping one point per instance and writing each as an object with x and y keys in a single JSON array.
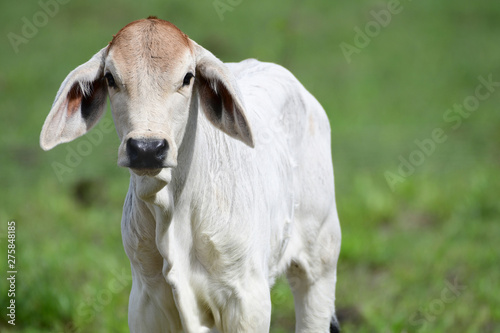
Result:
[{"x": 419, "y": 252}]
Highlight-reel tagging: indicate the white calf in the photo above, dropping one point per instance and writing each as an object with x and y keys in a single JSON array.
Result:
[{"x": 209, "y": 222}]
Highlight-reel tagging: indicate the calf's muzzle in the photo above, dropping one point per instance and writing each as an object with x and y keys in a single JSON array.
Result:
[{"x": 147, "y": 153}]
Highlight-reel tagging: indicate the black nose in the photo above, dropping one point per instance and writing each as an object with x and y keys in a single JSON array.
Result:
[{"x": 146, "y": 153}]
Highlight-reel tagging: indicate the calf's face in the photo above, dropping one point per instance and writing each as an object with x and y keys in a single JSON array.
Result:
[{"x": 152, "y": 72}]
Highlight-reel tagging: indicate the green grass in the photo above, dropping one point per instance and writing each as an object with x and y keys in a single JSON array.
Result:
[{"x": 401, "y": 248}]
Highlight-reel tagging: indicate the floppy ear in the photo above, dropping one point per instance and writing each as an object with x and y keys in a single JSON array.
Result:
[
  {"x": 219, "y": 96},
  {"x": 79, "y": 104}
]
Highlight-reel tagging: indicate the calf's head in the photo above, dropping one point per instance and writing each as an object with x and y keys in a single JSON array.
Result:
[{"x": 152, "y": 73}]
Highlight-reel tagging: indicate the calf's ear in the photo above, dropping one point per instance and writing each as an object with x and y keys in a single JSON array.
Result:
[
  {"x": 220, "y": 98},
  {"x": 79, "y": 103}
]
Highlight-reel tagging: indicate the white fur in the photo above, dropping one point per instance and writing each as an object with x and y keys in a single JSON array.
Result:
[{"x": 207, "y": 236}]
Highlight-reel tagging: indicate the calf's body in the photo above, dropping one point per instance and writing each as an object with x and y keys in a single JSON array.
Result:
[{"x": 238, "y": 187}]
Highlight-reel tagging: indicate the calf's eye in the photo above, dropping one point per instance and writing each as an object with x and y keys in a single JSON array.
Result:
[
  {"x": 110, "y": 79},
  {"x": 187, "y": 79}
]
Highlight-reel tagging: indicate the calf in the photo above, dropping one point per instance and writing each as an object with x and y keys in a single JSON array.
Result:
[{"x": 231, "y": 181}]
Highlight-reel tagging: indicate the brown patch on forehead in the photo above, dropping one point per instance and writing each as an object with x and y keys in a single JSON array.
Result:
[{"x": 154, "y": 42}]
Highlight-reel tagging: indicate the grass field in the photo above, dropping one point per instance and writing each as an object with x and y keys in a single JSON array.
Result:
[{"x": 412, "y": 90}]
